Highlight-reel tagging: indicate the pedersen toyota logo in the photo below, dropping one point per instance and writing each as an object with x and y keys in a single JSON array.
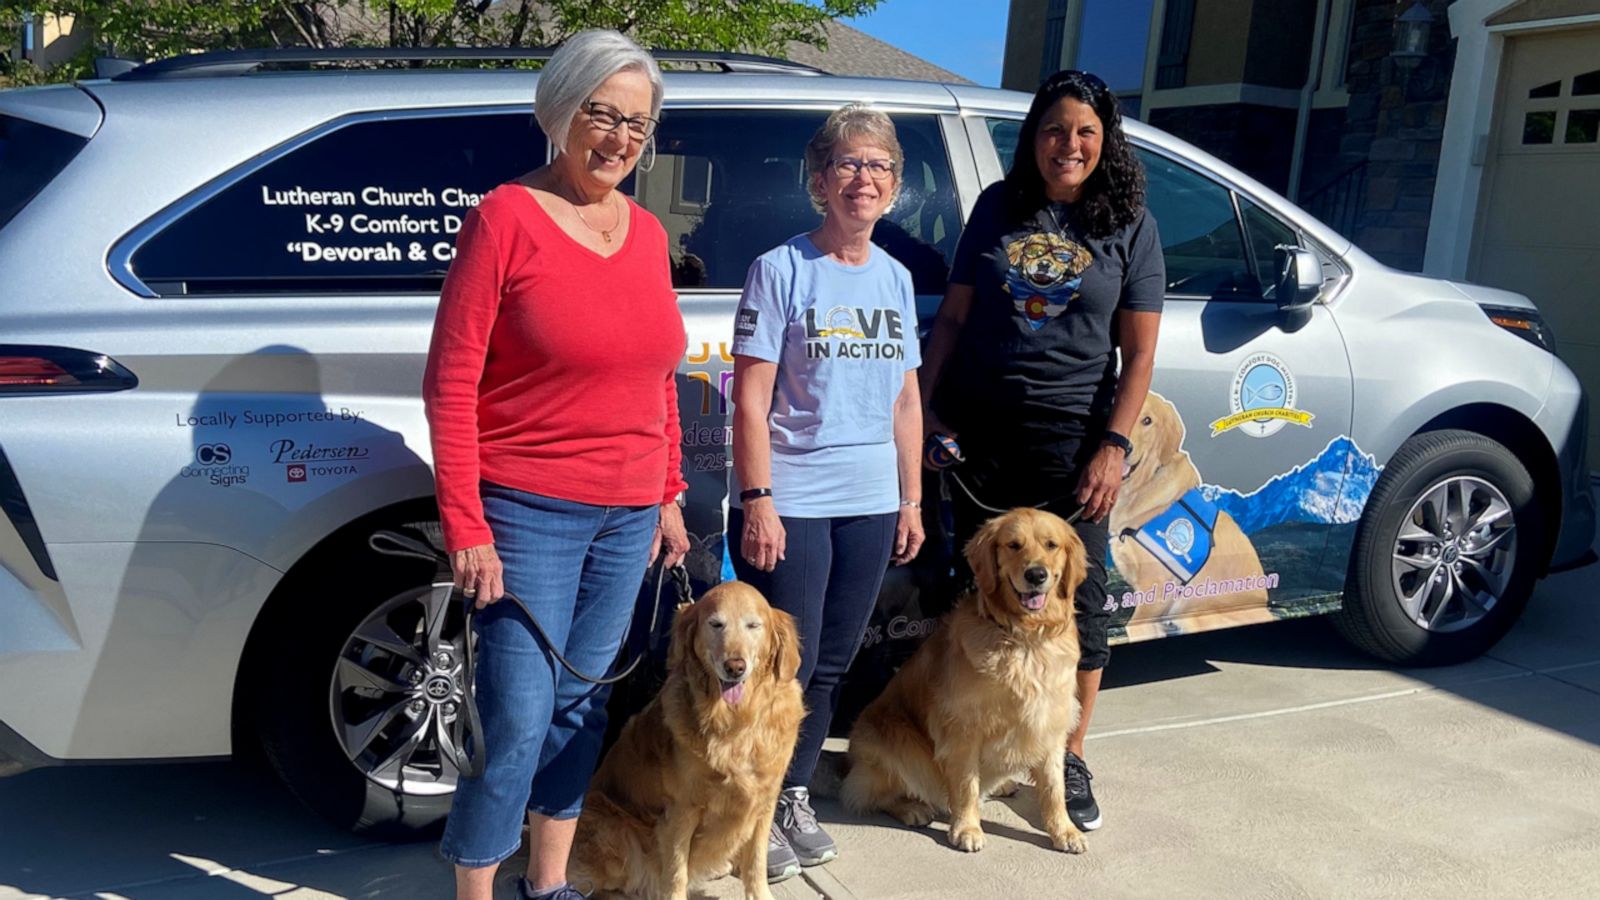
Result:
[{"x": 213, "y": 454}]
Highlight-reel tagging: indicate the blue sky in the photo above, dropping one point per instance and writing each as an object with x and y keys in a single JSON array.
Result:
[{"x": 967, "y": 37}]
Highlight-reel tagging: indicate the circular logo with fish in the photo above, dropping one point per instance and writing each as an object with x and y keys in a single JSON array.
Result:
[{"x": 1263, "y": 399}]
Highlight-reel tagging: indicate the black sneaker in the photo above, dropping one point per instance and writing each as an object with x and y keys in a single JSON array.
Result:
[
  {"x": 781, "y": 861},
  {"x": 565, "y": 892},
  {"x": 798, "y": 821},
  {"x": 1081, "y": 808}
]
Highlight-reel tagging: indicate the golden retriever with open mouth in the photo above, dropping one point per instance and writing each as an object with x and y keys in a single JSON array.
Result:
[
  {"x": 990, "y": 696},
  {"x": 1160, "y": 475},
  {"x": 690, "y": 787}
]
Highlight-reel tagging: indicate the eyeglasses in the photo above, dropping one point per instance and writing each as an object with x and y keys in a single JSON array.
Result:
[
  {"x": 1093, "y": 82},
  {"x": 850, "y": 167},
  {"x": 608, "y": 118}
]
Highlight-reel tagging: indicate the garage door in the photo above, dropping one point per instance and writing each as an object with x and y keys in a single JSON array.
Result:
[{"x": 1537, "y": 231}]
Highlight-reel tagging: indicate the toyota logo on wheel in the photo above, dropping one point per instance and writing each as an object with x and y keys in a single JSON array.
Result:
[{"x": 439, "y": 688}]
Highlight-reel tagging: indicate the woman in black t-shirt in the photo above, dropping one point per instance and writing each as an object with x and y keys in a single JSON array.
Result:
[{"x": 1057, "y": 274}]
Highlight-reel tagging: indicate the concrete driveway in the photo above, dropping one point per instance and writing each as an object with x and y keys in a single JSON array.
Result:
[{"x": 1263, "y": 762}]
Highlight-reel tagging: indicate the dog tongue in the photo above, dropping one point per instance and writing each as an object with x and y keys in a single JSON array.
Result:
[
  {"x": 733, "y": 692},
  {"x": 1034, "y": 602}
]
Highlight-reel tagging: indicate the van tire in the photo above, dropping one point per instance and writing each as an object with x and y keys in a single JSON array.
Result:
[
  {"x": 1372, "y": 617},
  {"x": 285, "y": 694}
]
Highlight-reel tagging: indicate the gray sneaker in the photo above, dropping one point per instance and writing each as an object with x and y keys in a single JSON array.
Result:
[
  {"x": 798, "y": 821},
  {"x": 781, "y": 861}
]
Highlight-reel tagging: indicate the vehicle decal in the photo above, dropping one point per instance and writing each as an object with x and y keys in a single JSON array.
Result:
[{"x": 1262, "y": 400}]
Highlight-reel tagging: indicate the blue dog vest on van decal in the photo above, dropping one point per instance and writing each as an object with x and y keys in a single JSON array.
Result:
[{"x": 1180, "y": 538}]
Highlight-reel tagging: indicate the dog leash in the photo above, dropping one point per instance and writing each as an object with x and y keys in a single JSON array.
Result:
[
  {"x": 392, "y": 543},
  {"x": 949, "y": 473}
]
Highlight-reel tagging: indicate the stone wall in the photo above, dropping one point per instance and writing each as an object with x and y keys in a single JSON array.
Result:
[
  {"x": 1395, "y": 122},
  {"x": 1251, "y": 137}
]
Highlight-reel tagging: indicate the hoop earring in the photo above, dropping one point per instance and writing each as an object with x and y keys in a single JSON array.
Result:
[{"x": 647, "y": 155}]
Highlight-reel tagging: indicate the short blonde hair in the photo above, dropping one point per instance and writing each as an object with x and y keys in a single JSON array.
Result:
[
  {"x": 578, "y": 68},
  {"x": 856, "y": 121}
]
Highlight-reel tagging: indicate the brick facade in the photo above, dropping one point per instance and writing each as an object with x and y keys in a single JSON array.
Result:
[{"x": 1395, "y": 122}]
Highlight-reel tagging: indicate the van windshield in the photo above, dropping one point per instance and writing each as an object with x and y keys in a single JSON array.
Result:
[{"x": 30, "y": 155}]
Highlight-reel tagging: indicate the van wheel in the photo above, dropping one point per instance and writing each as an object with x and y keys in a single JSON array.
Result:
[
  {"x": 1444, "y": 558},
  {"x": 352, "y": 684}
]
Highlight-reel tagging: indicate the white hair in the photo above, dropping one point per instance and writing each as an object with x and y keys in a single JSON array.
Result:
[{"x": 578, "y": 68}]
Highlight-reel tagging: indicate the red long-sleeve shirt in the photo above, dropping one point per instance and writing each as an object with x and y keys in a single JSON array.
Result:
[{"x": 552, "y": 368}]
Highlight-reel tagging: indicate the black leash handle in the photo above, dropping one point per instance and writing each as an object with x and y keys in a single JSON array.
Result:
[{"x": 393, "y": 543}]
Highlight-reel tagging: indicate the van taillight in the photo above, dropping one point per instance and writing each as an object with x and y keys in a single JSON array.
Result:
[{"x": 26, "y": 369}]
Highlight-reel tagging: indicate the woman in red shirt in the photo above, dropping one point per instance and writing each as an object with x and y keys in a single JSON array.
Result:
[{"x": 554, "y": 420}]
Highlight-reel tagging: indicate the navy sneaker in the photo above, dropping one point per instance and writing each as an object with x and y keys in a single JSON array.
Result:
[
  {"x": 1081, "y": 808},
  {"x": 781, "y": 862},
  {"x": 798, "y": 821}
]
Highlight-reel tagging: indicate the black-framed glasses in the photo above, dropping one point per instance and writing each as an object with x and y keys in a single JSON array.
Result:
[
  {"x": 850, "y": 167},
  {"x": 1089, "y": 80},
  {"x": 608, "y": 118}
]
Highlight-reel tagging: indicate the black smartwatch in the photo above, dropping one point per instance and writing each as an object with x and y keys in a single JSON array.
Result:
[
  {"x": 748, "y": 494},
  {"x": 1119, "y": 441}
]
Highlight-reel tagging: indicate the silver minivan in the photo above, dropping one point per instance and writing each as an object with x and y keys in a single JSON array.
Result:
[{"x": 219, "y": 283}]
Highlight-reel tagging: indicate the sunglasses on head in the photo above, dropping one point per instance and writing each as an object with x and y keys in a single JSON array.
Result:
[{"x": 1088, "y": 80}]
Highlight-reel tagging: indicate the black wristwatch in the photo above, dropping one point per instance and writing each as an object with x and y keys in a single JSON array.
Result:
[
  {"x": 1119, "y": 441},
  {"x": 748, "y": 494}
]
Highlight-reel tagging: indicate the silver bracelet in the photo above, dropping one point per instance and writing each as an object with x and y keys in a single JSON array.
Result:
[{"x": 914, "y": 504}]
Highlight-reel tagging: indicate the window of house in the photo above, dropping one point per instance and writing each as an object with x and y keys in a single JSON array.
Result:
[
  {"x": 748, "y": 168},
  {"x": 371, "y": 206},
  {"x": 1113, "y": 42}
]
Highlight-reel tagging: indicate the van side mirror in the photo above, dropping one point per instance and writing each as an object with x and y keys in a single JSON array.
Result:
[{"x": 1299, "y": 277}]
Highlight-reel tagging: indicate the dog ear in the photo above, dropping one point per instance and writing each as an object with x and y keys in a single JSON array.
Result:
[
  {"x": 981, "y": 558},
  {"x": 1075, "y": 570},
  {"x": 785, "y": 647},
  {"x": 681, "y": 645}
]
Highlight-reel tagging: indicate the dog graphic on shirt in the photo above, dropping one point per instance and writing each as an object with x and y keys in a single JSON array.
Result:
[{"x": 1045, "y": 272}]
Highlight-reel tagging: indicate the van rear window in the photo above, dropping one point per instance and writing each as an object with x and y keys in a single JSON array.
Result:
[{"x": 30, "y": 156}]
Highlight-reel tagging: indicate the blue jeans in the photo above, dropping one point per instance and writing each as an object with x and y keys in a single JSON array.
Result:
[
  {"x": 829, "y": 581},
  {"x": 578, "y": 568}
]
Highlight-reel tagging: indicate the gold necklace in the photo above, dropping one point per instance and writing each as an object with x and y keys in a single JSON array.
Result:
[{"x": 605, "y": 233}]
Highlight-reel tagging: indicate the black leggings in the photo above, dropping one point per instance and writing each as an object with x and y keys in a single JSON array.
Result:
[{"x": 829, "y": 581}]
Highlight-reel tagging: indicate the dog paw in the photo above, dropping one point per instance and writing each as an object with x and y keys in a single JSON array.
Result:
[
  {"x": 913, "y": 813},
  {"x": 1069, "y": 842},
  {"x": 967, "y": 838},
  {"x": 1007, "y": 788}
]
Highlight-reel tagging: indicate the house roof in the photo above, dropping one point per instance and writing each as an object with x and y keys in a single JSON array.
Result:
[{"x": 851, "y": 51}]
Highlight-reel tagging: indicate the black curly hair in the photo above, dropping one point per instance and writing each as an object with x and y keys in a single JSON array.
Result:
[{"x": 1114, "y": 194}]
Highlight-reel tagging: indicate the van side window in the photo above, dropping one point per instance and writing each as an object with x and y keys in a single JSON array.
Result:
[
  {"x": 729, "y": 185},
  {"x": 370, "y": 206},
  {"x": 1266, "y": 232},
  {"x": 1200, "y": 233},
  {"x": 1004, "y": 133}
]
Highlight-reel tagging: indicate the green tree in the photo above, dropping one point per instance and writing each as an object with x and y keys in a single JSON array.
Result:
[{"x": 149, "y": 29}]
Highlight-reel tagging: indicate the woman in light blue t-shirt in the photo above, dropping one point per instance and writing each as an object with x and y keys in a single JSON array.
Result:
[{"x": 826, "y": 487}]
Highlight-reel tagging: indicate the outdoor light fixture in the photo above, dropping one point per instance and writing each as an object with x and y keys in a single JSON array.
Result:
[{"x": 1411, "y": 33}]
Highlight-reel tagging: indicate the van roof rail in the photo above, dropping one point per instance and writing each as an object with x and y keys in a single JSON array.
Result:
[{"x": 240, "y": 62}]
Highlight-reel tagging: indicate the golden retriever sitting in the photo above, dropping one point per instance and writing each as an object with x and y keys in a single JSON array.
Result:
[
  {"x": 1161, "y": 473},
  {"x": 990, "y": 696},
  {"x": 690, "y": 788}
]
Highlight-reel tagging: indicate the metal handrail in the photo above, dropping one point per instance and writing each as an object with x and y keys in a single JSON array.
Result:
[
  {"x": 1337, "y": 202},
  {"x": 240, "y": 62}
]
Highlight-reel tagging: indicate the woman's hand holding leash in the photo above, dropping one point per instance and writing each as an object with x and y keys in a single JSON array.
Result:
[
  {"x": 671, "y": 540},
  {"x": 477, "y": 571},
  {"x": 764, "y": 537},
  {"x": 1100, "y": 482}
]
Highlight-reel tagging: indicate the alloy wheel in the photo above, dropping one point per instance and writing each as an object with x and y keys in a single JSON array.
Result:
[{"x": 1454, "y": 555}]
